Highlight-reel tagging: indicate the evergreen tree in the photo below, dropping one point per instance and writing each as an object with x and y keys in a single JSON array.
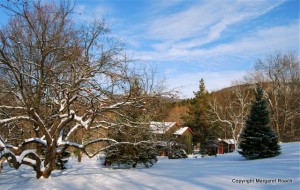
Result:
[
  {"x": 204, "y": 133},
  {"x": 258, "y": 140}
]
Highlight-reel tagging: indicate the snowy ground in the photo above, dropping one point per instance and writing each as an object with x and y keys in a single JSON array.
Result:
[{"x": 229, "y": 171}]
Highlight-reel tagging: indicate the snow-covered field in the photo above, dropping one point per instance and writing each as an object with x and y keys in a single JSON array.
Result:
[{"x": 229, "y": 171}]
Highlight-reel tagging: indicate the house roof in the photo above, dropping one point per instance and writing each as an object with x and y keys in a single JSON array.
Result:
[
  {"x": 161, "y": 127},
  {"x": 182, "y": 130},
  {"x": 228, "y": 141}
]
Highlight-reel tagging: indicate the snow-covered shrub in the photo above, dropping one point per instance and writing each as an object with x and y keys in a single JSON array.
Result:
[
  {"x": 209, "y": 147},
  {"x": 179, "y": 154},
  {"x": 130, "y": 154}
]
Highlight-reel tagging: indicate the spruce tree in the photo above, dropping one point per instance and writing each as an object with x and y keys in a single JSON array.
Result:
[{"x": 258, "y": 140}]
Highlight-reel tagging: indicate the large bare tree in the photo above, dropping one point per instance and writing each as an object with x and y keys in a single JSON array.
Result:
[{"x": 59, "y": 78}]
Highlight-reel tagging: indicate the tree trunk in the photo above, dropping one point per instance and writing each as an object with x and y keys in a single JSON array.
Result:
[
  {"x": 79, "y": 156},
  {"x": 38, "y": 146},
  {"x": 50, "y": 159}
]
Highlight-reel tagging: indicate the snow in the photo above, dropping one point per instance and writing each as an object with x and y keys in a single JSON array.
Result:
[
  {"x": 229, "y": 141},
  {"x": 181, "y": 131},
  {"x": 2, "y": 121},
  {"x": 71, "y": 144},
  {"x": 60, "y": 137},
  {"x": 33, "y": 162},
  {"x": 161, "y": 127},
  {"x": 71, "y": 131},
  {"x": 39, "y": 140},
  {"x": 24, "y": 153},
  {"x": 1, "y": 143},
  {"x": 228, "y": 171}
]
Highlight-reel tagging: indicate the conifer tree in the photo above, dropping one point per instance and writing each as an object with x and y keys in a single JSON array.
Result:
[
  {"x": 197, "y": 120},
  {"x": 258, "y": 140}
]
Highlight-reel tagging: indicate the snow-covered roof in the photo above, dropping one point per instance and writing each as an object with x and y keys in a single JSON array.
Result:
[
  {"x": 161, "y": 127},
  {"x": 228, "y": 141},
  {"x": 181, "y": 131}
]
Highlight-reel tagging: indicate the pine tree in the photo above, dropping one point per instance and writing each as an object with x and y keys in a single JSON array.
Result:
[
  {"x": 258, "y": 140},
  {"x": 197, "y": 120}
]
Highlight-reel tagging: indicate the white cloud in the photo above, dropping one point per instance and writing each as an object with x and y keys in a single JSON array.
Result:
[
  {"x": 179, "y": 34},
  {"x": 242, "y": 51},
  {"x": 185, "y": 23},
  {"x": 261, "y": 42},
  {"x": 204, "y": 22},
  {"x": 189, "y": 82},
  {"x": 88, "y": 14}
]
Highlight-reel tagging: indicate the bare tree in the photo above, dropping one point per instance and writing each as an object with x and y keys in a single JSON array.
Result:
[
  {"x": 280, "y": 74},
  {"x": 62, "y": 78},
  {"x": 230, "y": 110}
]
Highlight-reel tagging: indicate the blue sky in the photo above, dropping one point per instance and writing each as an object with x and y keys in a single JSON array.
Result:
[{"x": 186, "y": 40}]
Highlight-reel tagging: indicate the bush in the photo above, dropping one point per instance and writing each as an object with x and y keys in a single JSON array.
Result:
[
  {"x": 130, "y": 155},
  {"x": 179, "y": 154}
]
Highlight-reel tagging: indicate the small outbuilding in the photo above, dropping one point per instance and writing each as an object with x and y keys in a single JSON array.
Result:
[{"x": 226, "y": 146}]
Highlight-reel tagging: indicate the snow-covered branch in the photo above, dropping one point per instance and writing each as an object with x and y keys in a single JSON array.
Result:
[
  {"x": 73, "y": 129},
  {"x": 34, "y": 140},
  {"x": 66, "y": 103},
  {"x": 109, "y": 140},
  {"x": 41, "y": 124},
  {"x": 83, "y": 147},
  {"x": 12, "y": 107},
  {"x": 16, "y": 118},
  {"x": 116, "y": 106}
]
